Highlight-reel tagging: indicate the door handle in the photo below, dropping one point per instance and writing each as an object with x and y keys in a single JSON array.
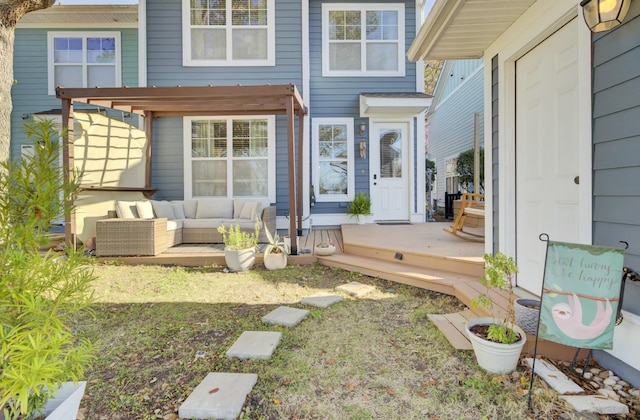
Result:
[{"x": 576, "y": 180}]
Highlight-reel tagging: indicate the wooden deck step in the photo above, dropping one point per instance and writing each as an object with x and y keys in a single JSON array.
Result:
[
  {"x": 453, "y": 327},
  {"x": 436, "y": 280}
]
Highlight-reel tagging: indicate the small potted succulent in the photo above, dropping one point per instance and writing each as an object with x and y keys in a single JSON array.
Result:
[
  {"x": 276, "y": 251},
  {"x": 324, "y": 249}
]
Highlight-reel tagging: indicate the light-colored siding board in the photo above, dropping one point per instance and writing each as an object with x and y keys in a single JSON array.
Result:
[
  {"x": 615, "y": 126},
  {"x": 617, "y": 98},
  {"x": 617, "y": 153},
  {"x": 451, "y": 127},
  {"x": 615, "y": 209},
  {"x": 611, "y": 45},
  {"x": 614, "y": 72},
  {"x": 618, "y": 181},
  {"x": 610, "y": 234}
]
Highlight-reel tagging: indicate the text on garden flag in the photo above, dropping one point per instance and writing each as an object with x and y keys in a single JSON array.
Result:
[{"x": 580, "y": 294}]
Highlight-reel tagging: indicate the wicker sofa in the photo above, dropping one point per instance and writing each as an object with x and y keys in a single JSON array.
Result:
[{"x": 149, "y": 227}]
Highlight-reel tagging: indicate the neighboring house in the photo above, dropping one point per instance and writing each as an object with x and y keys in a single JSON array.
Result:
[
  {"x": 349, "y": 62},
  {"x": 562, "y": 107},
  {"x": 451, "y": 120}
]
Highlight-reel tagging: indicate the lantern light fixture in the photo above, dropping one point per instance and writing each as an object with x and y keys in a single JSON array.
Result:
[
  {"x": 603, "y": 15},
  {"x": 363, "y": 128}
]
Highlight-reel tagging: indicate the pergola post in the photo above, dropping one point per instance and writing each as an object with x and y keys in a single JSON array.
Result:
[
  {"x": 148, "y": 150},
  {"x": 68, "y": 163},
  {"x": 300, "y": 166},
  {"x": 293, "y": 232}
]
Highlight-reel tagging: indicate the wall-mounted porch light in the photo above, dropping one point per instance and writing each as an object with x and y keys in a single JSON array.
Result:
[
  {"x": 363, "y": 128},
  {"x": 602, "y": 15}
]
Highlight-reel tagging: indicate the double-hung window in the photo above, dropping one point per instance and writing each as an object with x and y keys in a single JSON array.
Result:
[
  {"x": 229, "y": 157},
  {"x": 228, "y": 32},
  {"x": 333, "y": 159},
  {"x": 363, "y": 40},
  {"x": 83, "y": 59}
]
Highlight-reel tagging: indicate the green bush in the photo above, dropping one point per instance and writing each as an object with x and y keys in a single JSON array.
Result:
[
  {"x": 361, "y": 205},
  {"x": 40, "y": 292},
  {"x": 236, "y": 239}
]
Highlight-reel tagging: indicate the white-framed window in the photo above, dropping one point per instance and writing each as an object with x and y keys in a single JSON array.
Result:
[
  {"x": 452, "y": 179},
  {"x": 228, "y": 32},
  {"x": 83, "y": 59},
  {"x": 333, "y": 175},
  {"x": 229, "y": 157},
  {"x": 363, "y": 40}
]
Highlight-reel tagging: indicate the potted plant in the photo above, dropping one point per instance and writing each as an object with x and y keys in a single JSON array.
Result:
[
  {"x": 40, "y": 293},
  {"x": 360, "y": 207},
  {"x": 527, "y": 314},
  {"x": 239, "y": 246},
  {"x": 497, "y": 343},
  {"x": 276, "y": 251},
  {"x": 324, "y": 249}
]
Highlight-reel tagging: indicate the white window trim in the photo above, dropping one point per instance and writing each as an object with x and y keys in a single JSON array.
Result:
[
  {"x": 271, "y": 156},
  {"x": 188, "y": 61},
  {"x": 84, "y": 35},
  {"x": 327, "y": 72},
  {"x": 317, "y": 122}
]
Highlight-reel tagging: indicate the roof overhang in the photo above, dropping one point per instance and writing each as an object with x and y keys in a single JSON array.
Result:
[
  {"x": 82, "y": 16},
  {"x": 393, "y": 104},
  {"x": 457, "y": 29}
]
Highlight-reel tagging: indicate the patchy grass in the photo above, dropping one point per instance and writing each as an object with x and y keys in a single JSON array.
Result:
[{"x": 160, "y": 330}]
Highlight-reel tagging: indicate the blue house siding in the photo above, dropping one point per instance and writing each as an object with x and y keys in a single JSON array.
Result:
[
  {"x": 338, "y": 97},
  {"x": 451, "y": 126},
  {"x": 30, "y": 93},
  {"x": 164, "y": 58},
  {"x": 616, "y": 143}
]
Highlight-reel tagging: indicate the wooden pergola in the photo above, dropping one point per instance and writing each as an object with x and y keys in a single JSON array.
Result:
[{"x": 152, "y": 102}]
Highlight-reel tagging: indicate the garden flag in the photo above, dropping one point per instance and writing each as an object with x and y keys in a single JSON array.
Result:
[{"x": 580, "y": 294}]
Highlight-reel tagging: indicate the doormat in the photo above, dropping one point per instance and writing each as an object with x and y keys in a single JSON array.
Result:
[{"x": 393, "y": 223}]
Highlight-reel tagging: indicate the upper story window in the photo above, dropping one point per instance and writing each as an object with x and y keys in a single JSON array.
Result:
[
  {"x": 363, "y": 40},
  {"x": 228, "y": 32},
  {"x": 83, "y": 59}
]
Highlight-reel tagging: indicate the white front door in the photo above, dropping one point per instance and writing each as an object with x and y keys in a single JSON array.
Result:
[
  {"x": 547, "y": 145},
  {"x": 389, "y": 167}
]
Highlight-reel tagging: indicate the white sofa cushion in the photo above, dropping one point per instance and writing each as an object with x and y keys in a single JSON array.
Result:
[
  {"x": 145, "y": 209},
  {"x": 190, "y": 208},
  {"x": 239, "y": 210},
  {"x": 163, "y": 209},
  {"x": 178, "y": 209},
  {"x": 174, "y": 225},
  {"x": 215, "y": 209},
  {"x": 201, "y": 223},
  {"x": 126, "y": 210},
  {"x": 243, "y": 223}
]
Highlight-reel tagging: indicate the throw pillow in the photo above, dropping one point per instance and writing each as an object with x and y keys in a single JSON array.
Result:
[
  {"x": 248, "y": 210},
  {"x": 145, "y": 209},
  {"x": 178, "y": 209},
  {"x": 215, "y": 209},
  {"x": 190, "y": 208},
  {"x": 163, "y": 209},
  {"x": 126, "y": 210}
]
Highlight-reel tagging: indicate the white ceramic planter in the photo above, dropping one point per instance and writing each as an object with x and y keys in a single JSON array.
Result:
[
  {"x": 64, "y": 405},
  {"x": 325, "y": 251},
  {"x": 240, "y": 260},
  {"x": 495, "y": 357},
  {"x": 275, "y": 261}
]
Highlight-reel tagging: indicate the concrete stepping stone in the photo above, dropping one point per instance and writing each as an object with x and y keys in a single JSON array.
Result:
[
  {"x": 286, "y": 316},
  {"x": 255, "y": 345},
  {"x": 219, "y": 396},
  {"x": 356, "y": 289},
  {"x": 323, "y": 301},
  {"x": 555, "y": 378},
  {"x": 595, "y": 404}
]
